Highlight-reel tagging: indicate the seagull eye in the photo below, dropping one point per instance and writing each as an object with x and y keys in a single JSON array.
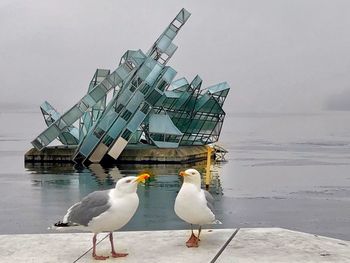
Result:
[{"x": 128, "y": 181}]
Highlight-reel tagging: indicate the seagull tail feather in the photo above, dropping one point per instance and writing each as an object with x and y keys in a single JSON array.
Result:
[{"x": 62, "y": 226}]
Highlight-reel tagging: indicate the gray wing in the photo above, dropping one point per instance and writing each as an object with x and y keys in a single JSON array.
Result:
[
  {"x": 210, "y": 200},
  {"x": 91, "y": 206}
]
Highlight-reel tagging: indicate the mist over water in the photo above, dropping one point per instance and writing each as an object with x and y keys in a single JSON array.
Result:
[
  {"x": 280, "y": 56},
  {"x": 283, "y": 170}
]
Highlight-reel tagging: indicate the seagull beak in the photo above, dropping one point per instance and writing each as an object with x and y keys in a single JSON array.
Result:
[
  {"x": 182, "y": 173},
  {"x": 142, "y": 178}
]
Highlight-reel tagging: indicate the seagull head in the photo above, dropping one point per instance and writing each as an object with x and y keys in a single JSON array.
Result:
[
  {"x": 191, "y": 176},
  {"x": 129, "y": 184}
]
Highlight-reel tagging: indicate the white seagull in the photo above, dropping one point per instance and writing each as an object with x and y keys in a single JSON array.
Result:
[
  {"x": 105, "y": 211},
  {"x": 194, "y": 205}
]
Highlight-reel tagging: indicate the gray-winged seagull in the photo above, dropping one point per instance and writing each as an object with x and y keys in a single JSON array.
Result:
[
  {"x": 194, "y": 205},
  {"x": 105, "y": 211}
]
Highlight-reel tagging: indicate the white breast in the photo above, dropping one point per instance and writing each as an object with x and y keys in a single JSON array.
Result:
[{"x": 191, "y": 206}]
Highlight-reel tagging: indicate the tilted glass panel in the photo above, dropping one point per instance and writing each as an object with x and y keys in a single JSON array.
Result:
[
  {"x": 161, "y": 123},
  {"x": 71, "y": 116},
  {"x": 208, "y": 126},
  {"x": 91, "y": 143},
  {"x": 134, "y": 139},
  {"x": 154, "y": 74},
  {"x": 207, "y": 107},
  {"x": 179, "y": 83},
  {"x": 98, "y": 132},
  {"x": 216, "y": 109},
  {"x": 218, "y": 87},
  {"x": 164, "y": 43},
  {"x": 159, "y": 102},
  {"x": 119, "y": 108},
  {"x": 89, "y": 101},
  {"x": 201, "y": 101},
  {"x": 126, "y": 134},
  {"x": 211, "y": 106},
  {"x": 126, "y": 115},
  {"x": 136, "y": 120},
  {"x": 183, "y": 15},
  {"x": 107, "y": 140},
  {"x": 98, "y": 93},
  {"x": 196, "y": 82},
  {"x": 171, "y": 50},
  {"x": 169, "y": 74},
  {"x": 145, "y": 108},
  {"x": 153, "y": 97},
  {"x": 145, "y": 89},
  {"x": 181, "y": 101},
  {"x": 82, "y": 105},
  {"x": 170, "y": 33},
  {"x": 116, "y": 128},
  {"x": 135, "y": 101},
  {"x": 190, "y": 104},
  {"x": 195, "y": 126}
]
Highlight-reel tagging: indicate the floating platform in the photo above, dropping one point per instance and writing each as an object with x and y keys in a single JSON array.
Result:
[
  {"x": 216, "y": 245},
  {"x": 132, "y": 154}
]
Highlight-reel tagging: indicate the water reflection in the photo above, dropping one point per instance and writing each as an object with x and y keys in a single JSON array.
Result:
[
  {"x": 61, "y": 185},
  {"x": 101, "y": 177}
]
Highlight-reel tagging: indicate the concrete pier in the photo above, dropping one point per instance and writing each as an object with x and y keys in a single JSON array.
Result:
[
  {"x": 217, "y": 245},
  {"x": 146, "y": 154}
]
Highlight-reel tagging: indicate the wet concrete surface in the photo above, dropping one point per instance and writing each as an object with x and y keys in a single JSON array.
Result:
[{"x": 216, "y": 245}]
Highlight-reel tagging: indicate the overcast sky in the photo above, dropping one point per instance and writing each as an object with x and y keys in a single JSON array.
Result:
[{"x": 277, "y": 55}]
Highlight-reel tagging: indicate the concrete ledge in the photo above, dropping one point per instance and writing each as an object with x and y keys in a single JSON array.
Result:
[
  {"x": 183, "y": 154},
  {"x": 142, "y": 246},
  {"x": 249, "y": 245},
  {"x": 281, "y": 245}
]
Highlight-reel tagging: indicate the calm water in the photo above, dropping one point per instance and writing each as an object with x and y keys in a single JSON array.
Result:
[{"x": 283, "y": 170}]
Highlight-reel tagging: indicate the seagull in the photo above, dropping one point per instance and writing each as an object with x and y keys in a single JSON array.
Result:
[
  {"x": 104, "y": 211},
  {"x": 194, "y": 205}
]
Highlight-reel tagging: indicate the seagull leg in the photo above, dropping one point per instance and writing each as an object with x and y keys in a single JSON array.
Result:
[
  {"x": 115, "y": 254},
  {"x": 199, "y": 232},
  {"x": 94, "y": 250},
  {"x": 193, "y": 240}
]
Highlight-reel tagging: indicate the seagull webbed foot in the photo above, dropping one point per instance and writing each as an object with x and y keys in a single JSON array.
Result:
[
  {"x": 100, "y": 257},
  {"x": 192, "y": 241},
  {"x": 119, "y": 255}
]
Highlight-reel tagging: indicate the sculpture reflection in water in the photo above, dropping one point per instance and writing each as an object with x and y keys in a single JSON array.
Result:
[
  {"x": 96, "y": 177},
  {"x": 60, "y": 185}
]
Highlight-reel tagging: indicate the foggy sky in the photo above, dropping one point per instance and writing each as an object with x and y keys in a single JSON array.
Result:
[{"x": 277, "y": 55}]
